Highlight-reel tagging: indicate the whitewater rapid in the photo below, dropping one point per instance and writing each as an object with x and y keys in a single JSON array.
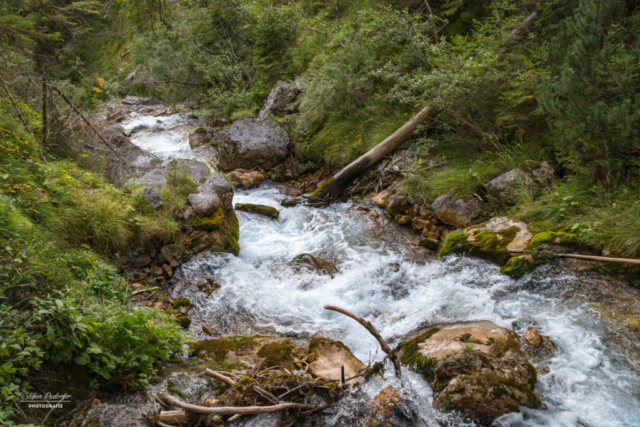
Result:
[{"x": 592, "y": 379}]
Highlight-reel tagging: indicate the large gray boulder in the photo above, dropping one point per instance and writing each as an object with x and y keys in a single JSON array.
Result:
[
  {"x": 252, "y": 143},
  {"x": 506, "y": 186},
  {"x": 460, "y": 213},
  {"x": 280, "y": 99},
  {"x": 213, "y": 194}
]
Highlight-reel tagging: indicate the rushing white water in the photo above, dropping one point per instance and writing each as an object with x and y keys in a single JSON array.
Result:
[
  {"x": 594, "y": 376},
  {"x": 165, "y": 136}
]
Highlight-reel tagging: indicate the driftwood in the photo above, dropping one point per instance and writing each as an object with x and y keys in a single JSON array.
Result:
[
  {"x": 173, "y": 417},
  {"x": 140, "y": 291},
  {"x": 231, "y": 410},
  {"x": 584, "y": 257},
  {"x": 369, "y": 327},
  {"x": 333, "y": 188},
  {"x": 218, "y": 376}
]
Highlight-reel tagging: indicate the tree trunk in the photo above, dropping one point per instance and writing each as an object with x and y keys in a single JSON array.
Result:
[{"x": 332, "y": 188}]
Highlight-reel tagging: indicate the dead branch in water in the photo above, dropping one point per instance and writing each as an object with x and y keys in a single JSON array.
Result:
[
  {"x": 578, "y": 256},
  {"x": 178, "y": 417},
  {"x": 369, "y": 327}
]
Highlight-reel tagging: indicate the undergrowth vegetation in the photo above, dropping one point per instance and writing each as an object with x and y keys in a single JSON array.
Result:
[{"x": 61, "y": 301}]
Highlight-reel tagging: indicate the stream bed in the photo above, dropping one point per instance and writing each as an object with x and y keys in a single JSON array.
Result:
[{"x": 593, "y": 379}]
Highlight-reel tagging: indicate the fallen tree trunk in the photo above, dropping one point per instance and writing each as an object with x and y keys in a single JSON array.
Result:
[
  {"x": 373, "y": 331},
  {"x": 234, "y": 410},
  {"x": 223, "y": 378},
  {"x": 333, "y": 188},
  {"x": 584, "y": 257}
]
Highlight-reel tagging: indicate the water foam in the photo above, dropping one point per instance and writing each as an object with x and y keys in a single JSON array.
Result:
[{"x": 589, "y": 380}]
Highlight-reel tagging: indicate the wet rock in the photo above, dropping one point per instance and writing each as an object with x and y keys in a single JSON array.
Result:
[
  {"x": 385, "y": 401},
  {"x": 252, "y": 143},
  {"x": 491, "y": 240},
  {"x": 152, "y": 198},
  {"x": 328, "y": 358},
  {"x": 544, "y": 175},
  {"x": 476, "y": 368},
  {"x": 380, "y": 199},
  {"x": 460, "y": 213},
  {"x": 404, "y": 219},
  {"x": 267, "y": 211},
  {"x": 215, "y": 193},
  {"x": 506, "y": 186},
  {"x": 108, "y": 415},
  {"x": 183, "y": 321},
  {"x": 429, "y": 244},
  {"x": 168, "y": 270},
  {"x": 202, "y": 136},
  {"x": 533, "y": 337},
  {"x": 246, "y": 179},
  {"x": 244, "y": 352},
  {"x": 310, "y": 262},
  {"x": 188, "y": 387},
  {"x": 398, "y": 204},
  {"x": 137, "y": 101},
  {"x": 280, "y": 99},
  {"x": 420, "y": 223},
  {"x": 222, "y": 232},
  {"x": 290, "y": 203}
]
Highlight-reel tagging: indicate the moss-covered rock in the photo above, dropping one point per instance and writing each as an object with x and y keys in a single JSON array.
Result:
[
  {"x": 183, "y": 321},
  {"x": 429, "y": 244},
  {"x": 491, "y": 240},
  {"x": 217, "y": 349},
  {"x": 552, "y": 238},
  {"x": 222, "y": 232},
  {"x": 182, "y": 302},
  {"x": 308, "y": 261},
  {"x": 277, "y": 353},
  {"x": 520, "y": 265},
  {"x": 267, "y": 211}
]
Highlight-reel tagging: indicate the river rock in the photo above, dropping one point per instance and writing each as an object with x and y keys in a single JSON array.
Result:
[
  {"x": 385, "y": 401},
  {"x": 399, "y": 204},
  {"x": 476, "y": 368},
  {"x": 152, "y": 198},
  {"x": 108, "y": 415},
  {"x": 267, "y": 211},
  {"x": 329, "y": 357},
  {"x": 506, "y": 186},
  {"x": 252, "y": 143},
  {"x": 202, "y": 136},
  {"x": 310, "y": 262},
  {"x": 492, "y": 240},
  {"x": 241, "y": 178},
  {"x": 457, "y": 212},
  {"x": 533, "y": 337},
  {"x": 215, "y": 193},
  {"x": 544, "y": 174},
  {"x": 380, "y": 199},
  {"x": 280, "y": 99}
]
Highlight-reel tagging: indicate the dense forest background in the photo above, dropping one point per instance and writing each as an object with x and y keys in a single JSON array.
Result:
[{"x": 565, "y": 89}]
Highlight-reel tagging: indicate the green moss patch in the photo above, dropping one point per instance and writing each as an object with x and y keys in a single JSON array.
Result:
[
  {"x": 223, "y": 228},
  {"x": 182, "y": 302},
  {"x": 429, "y": 244},
  {"x": 520, "y": 265},
  {"x": 276, "y": 354},
  {"x": 410, "y": 354},
  {"x": 267, "y": 211},
  {"x": 183, "y": 321},
  {"x": 485, "y": 244},
  {"x": 552, "y": 238}
]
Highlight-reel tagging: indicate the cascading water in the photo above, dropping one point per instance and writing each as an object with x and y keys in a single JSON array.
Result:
[{"x": 593, "y": 378}]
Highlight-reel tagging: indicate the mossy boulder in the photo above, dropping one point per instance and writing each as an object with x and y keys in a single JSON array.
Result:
[
  {"x": 491, "y": 240},
  {"x": 476, "y": 368},
  {"x": 222, "y": 232},
  {"x": 277, "y": 354},
  {"x": 520, "y": 265},
  {"x": 551, "y": 238},
  {"x": 429, "y": 244},
  {"x": 225, "y": 350},
  {"x": 267, "y": 211}
]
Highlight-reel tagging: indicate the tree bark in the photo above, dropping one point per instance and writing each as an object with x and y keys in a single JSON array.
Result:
[{"x": 332, "y": 188}]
